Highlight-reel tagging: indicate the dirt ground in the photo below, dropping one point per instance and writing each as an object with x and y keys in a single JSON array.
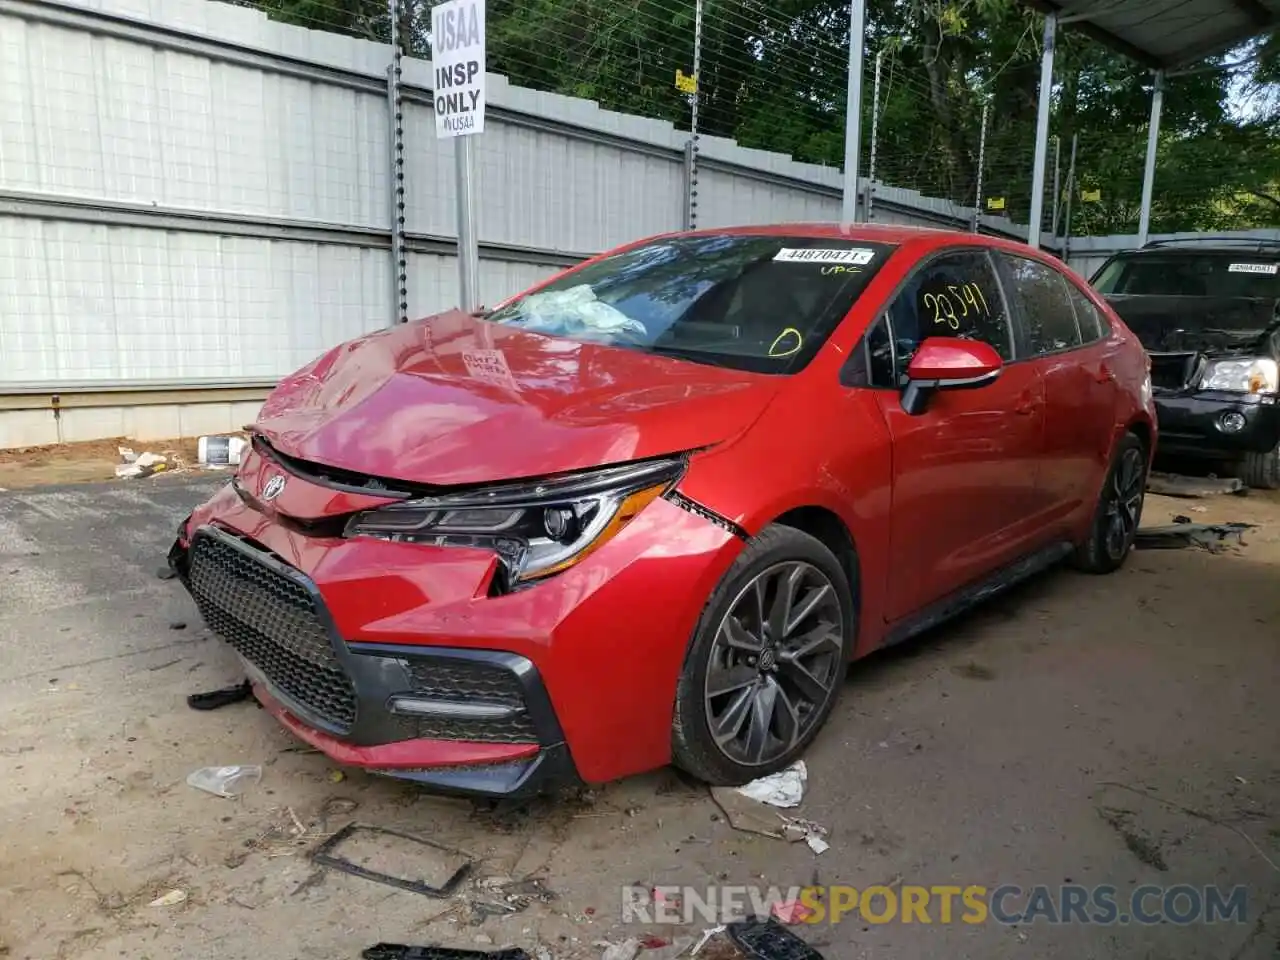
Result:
[
  {"x": 61, "y": 463},
  {"x": 1118, "y": 730}
]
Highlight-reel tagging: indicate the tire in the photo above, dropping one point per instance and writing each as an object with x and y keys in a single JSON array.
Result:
[
  {"x": 1261, "y": 470},
  {"x": 745, "y": 679},
  {"x": 1119, "y": 510}
]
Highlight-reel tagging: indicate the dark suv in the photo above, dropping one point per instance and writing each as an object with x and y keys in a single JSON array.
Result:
[{"x": 1209, "y": 316}]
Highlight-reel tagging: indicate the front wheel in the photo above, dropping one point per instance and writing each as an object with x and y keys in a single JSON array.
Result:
[
  {"x": 766, "y": 661},
  {"x": 1119, "y": 511},
  {"x": 1262, "y": 470}
]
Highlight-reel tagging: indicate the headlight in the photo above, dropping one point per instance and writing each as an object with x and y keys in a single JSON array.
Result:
[
  {"x": 1251, "y": 375},
  {"x": 537, "y": 528}
]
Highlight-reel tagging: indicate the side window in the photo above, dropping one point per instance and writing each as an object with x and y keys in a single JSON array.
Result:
[
  {"x": 953, "y": 295},
  {"x": 1044, "y": 296},
  {"x": 1092, "y": 327}
]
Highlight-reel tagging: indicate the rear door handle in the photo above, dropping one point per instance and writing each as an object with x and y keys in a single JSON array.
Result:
[{"x": 1104, "y": 374}]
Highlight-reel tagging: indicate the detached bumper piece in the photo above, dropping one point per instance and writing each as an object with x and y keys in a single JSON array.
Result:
[{"x": 470, "y": 722}]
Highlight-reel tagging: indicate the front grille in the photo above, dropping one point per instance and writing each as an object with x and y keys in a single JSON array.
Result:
[
  {"x": 468, "y": 681},
  {"x": 271, "y": 621}
]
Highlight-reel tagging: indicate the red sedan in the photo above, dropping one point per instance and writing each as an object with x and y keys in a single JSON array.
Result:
[{"x": 648, "y": 511}]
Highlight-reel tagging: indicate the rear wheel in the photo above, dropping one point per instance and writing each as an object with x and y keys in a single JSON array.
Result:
[
  {"x": 765, "y": 664},
  {"x": 1119, "y": 511},
  {"x": 1261, "y": 470}
]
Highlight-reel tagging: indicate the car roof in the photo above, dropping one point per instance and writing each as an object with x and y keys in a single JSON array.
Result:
[
  {"x": 1251, "y": 251},
  {"x": 875, "y": 232}
]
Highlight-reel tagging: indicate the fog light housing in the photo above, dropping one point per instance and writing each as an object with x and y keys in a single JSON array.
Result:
[{"x": 1232, "y": 422}]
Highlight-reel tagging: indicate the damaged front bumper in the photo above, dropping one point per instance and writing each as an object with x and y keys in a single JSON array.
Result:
[
  {"x": 400, "y": 658},
  {"x": 1217, "y": 424},
  {"x": 460, "y": 721}
]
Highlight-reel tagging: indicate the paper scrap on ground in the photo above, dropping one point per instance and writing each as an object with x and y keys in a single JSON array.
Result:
[
  {"x": 782, "y": 789},
  {"x": 791, "y": 911},
  {"x": 744, "y": 813}
]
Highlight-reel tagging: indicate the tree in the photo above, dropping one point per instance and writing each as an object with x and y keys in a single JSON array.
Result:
[{"x": 773, "y": 77}]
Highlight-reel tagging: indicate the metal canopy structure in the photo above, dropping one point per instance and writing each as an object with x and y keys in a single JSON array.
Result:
[{"x": 1165, "y": 36}]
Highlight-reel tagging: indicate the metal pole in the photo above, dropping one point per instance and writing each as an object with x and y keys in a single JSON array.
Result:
[
  {"x": 395, "y": 114},
  {"x": 468, "y": 250},
  {"x": 1057, "y": 167},
  {"x": 1149, "y": 171},
  {"x": 853, "y": 111},
  {"x": 691, "y": 154},
  {"x": 1042, "y": 129},
  {"x": 875, "y": 134},
  {"x": 982, "y": 162},
  {"x": 1071, "y": 189}
]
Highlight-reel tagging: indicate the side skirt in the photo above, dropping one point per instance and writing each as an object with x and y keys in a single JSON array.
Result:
[{"x": 940, "y": 611}]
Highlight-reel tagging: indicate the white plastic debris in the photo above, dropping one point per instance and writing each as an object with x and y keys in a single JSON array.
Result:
[
  {"x": 228, "y": 781},
  {"x": 782, "y": 789},
  {"x": 142, "y": 465},
  {"x": 626, "y": 950},
  {"x": 816, "y": 843},
  {"x": 703, "y": 940},
  {"x": 127, "y": 455},
  {"x": 170, "y": 899}
]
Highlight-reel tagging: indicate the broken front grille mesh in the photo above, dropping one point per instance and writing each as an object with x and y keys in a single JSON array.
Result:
[
  {"x": 466, "y": 681},
  {"x": 271, "y": 621},
  {"x": 1174, "y": 371}
]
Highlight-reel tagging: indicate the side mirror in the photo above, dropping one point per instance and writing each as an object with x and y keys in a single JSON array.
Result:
[{"x": 948, "y": 363}]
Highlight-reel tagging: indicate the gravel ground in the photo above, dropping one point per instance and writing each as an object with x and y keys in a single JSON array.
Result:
[{"x": 1118, "y": 730}]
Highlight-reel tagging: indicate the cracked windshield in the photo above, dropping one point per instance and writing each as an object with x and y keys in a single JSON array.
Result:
[{"x": 759, "y": 303}]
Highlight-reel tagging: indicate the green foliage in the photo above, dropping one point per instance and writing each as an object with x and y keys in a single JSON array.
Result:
[{"x": 773, "y": 77}]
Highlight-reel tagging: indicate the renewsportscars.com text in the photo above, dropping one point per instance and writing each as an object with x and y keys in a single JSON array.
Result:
[{"x": 1104, "y": 904}]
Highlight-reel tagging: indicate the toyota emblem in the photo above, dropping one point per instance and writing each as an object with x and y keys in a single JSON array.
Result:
[{"x": 273, "y": 489}]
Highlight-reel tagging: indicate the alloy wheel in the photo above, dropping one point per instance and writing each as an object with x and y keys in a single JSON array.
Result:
[
  {"x": 1124, "y": 502},
  {"x": 774, "y": 663}
]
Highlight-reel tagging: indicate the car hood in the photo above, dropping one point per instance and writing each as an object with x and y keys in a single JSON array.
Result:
[
  {"x": 1214, "y": 325},
  {"x": 457, "y": 400}
]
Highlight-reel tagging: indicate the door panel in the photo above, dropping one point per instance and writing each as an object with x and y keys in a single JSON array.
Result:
[
  {"x": 965, "y": 470},
  {"x": 964, "y": 485},
  {"x": 1081, "y": 401},
  {"x": 1065, "y": 337}
]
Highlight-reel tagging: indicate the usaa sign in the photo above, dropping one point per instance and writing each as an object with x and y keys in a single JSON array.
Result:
[{"x": 457, "y": 50}]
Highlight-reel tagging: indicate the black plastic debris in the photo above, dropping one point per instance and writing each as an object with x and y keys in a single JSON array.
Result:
[
  {"x": 769, "y": 940},
  {"x": 214, "y": 699},
  {"x": 1177, "y": 485},
  {"x": 1179, "y": 536},
  {"x": 325, "y": 857},
  {"x": 399, "y": 951}
]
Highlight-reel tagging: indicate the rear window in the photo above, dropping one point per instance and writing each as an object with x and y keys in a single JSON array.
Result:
[
  {"x": 1191, "y": 275},
  {"x": 759, "y": 303}
]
